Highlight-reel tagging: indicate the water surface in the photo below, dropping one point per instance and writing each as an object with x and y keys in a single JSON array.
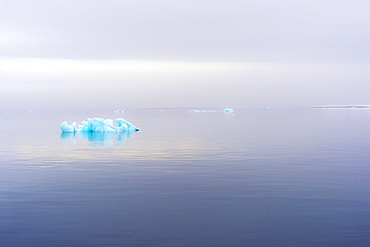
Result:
[{"x": 252, "y": 177}]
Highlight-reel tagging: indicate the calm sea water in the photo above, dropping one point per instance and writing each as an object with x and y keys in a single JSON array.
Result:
[{"x": 253, "y": 177}]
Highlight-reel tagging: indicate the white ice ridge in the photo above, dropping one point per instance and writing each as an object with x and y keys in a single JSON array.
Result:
[{"x": 98, "y": 125}]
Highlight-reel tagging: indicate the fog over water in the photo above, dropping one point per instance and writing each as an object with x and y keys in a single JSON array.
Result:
[{"x": 117, "y": 54}]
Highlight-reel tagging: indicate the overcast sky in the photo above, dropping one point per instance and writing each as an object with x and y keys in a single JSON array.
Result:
[{"x": 183, "y": 53}]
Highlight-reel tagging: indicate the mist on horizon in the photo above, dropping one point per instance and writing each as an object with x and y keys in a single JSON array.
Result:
[{"x": 117, "y": 54}]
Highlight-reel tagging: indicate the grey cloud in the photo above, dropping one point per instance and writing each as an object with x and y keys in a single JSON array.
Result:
[{"x": 191, "y": 30}]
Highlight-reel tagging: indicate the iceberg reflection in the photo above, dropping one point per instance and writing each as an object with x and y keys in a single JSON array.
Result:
[{"x": 97, "y": 138}]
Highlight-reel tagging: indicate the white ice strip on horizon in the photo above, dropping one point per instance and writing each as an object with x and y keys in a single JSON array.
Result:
[
  {"x": 342, "y": 106},
  {"x": 98, "y": 125}
]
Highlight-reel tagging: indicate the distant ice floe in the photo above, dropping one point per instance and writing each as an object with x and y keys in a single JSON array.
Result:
[
  {"x": 207, "y": 110},
  {"x": 343, "y": 106},
  {"x": 202, "y": 111},
  {"x": 98, "y": 125}
]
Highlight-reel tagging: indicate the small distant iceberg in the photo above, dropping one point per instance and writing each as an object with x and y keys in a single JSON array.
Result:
[
  {"x": 98, "y": 125},
  {"x": 119, "y": 111},
  {"x": 228, "y": 110}
]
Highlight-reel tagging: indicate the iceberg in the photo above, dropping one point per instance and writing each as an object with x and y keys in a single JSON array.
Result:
[{"x": 98, "y": 125}]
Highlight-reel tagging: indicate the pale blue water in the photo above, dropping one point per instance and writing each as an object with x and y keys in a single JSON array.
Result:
[{"x": 254, "y": 177}]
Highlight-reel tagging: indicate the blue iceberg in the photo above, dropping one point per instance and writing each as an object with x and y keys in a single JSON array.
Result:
[
  {"x": 98, "y": 125},
  {"x": 228, "y": 110}
]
